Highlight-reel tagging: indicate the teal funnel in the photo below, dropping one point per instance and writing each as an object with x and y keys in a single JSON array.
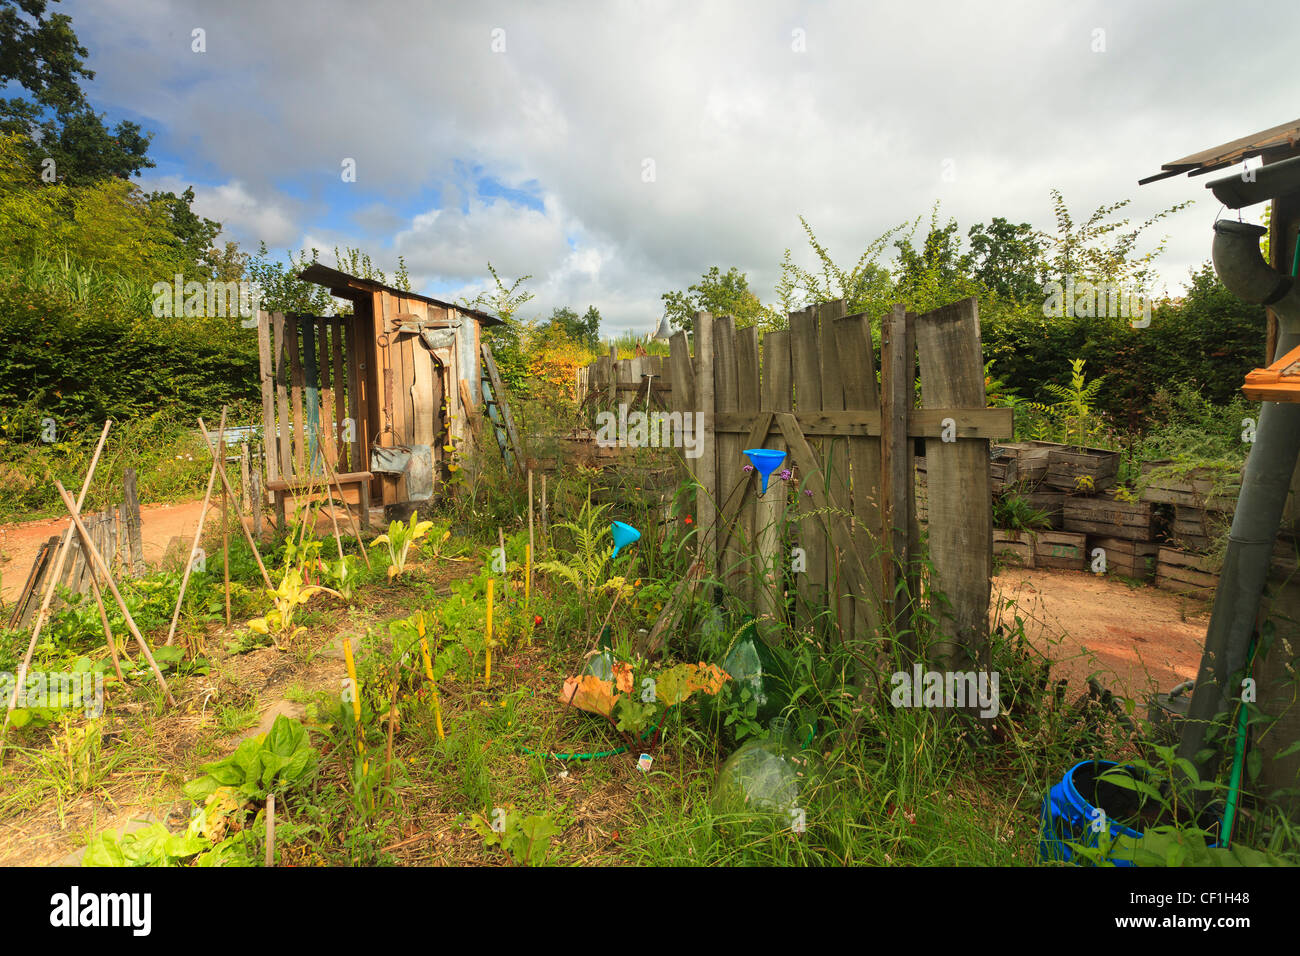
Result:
[
  {"x": 623, "y": 534},
  {"x": 766, "y": 461}
]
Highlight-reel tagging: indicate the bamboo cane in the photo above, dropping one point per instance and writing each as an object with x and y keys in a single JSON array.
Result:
[
  {"x": 97, "y": 564},
  {"x": 487, "y": 674},
  {"x": 198, "y": 535},
  {"x": 225, "y": 524},
  {"x": 270, "y": 829},
  {"x": 356, "y": 530},
  {"x": 59, "y": 560},
  {"x": 248, "y": 535},
  {"x": 433, "y": 686}
]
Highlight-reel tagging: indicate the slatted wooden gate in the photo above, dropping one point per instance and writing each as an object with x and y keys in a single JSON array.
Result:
[
  {"x": 853, "y": 544},
  {"x": 313, "y": 407}
]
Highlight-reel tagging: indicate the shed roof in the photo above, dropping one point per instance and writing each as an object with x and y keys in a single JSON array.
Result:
[
  {"x": 1279, "y": 139},
  {"x": 347, "y": 286}
]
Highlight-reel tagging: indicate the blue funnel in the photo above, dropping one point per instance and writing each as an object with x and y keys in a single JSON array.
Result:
[
  {"x": 766, "y": 461},
  {"x": 623, "y": 534}
]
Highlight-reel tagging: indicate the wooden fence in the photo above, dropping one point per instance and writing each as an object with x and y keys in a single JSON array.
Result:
[
  {"x": 812, "y": 392},
  {"x": 116, "y": 535},
  {"x": 640, "y": 382},
  {"x": 313, "y": 406}
]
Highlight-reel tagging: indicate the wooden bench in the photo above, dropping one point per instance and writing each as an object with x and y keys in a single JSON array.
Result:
[{"x": 355, "y": 486}]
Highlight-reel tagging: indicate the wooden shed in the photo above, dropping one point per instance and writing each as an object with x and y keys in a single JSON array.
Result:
[{"x": 376, "y": 394}]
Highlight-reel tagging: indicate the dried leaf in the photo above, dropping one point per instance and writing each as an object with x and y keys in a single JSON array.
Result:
[
  {"x": 623, "y": 676},
  {"x": 589, "y": 693}
]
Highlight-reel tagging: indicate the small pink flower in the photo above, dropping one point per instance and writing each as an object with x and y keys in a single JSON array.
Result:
[
  {"x": 786, "y": 474},
  {"x": 747, "y": 469},
  {"x": 808, "y": 492}
]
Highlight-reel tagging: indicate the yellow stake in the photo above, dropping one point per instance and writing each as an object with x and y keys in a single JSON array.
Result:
[
  {"x": 428, "y": 672},
  {"x": 528, "y": 572},
  {"x": 487, "y": 674},
  {"x": 356, "y": 689}
]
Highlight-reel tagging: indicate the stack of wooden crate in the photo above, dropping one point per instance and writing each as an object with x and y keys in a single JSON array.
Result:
[{"x": 1201, "y": 501}]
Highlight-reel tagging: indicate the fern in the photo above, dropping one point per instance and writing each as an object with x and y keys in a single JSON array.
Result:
[{"x": 584, "y": 567}]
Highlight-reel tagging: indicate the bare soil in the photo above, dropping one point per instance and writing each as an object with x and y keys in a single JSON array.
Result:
[{"x": 1136, "y": 640}]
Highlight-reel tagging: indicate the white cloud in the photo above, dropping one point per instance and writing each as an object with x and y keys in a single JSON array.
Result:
[{"x": 746, "y": 133}]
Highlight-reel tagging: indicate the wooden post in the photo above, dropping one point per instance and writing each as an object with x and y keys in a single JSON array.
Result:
[
  {"x": 853, "y": 338},
  {"x": 131, "y": 523},
  {"x": 245, "y": 492},
  {"x": 255, "y": 492},
  {"x": 333, "y": 476},
  {"x": 198, "y": 531},
  {"x": 706, "y": 466},
  {"x": 270, "y": 829},
  {"x": 895, "y": 479},
  {"x": 805, "y": 356},
  {"x": 961, "y": 522},
  {"x": 545, "y": 534},
  {"x": 530, "y": 510},
  {"x": 769, "y": 517}
]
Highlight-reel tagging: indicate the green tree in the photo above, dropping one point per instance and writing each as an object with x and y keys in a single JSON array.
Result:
[
  {"x": 41, "y": 54},
  {"x": 718, "y": 293},
  {"x": 280, "y": 288},
  {"x": 866, "y": 286},
  {"x": 195, "y": 235},
  {"x": 1006, "y": 259},
  {"x": 584, "y": 330},
  {"x": 506, "y": 340}
]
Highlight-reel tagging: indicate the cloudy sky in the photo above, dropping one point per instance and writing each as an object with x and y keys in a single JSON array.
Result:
[{"x": 615, "y": 150}]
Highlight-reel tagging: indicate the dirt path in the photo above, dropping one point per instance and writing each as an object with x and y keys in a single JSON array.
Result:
[
  {"x": 20, "y": 543},
  {"x": 1137, "y": 640}
]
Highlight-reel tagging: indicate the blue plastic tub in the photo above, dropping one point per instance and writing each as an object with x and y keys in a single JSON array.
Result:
[{"x": 1068, "y": 814}]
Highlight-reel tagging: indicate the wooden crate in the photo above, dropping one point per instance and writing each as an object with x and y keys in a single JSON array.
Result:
[
  {"x": 1050, "y": 502},
  {"x": 1071, "y": 468},
  {"x": 1004, "y": 471},
  {"x": 1197, "y": 529},
  {"x": 1132, "y": 559},
  {"x": 1017, "y": 463},
  {"x": 1060, "y": 549},
  {"x": 1192, "y": 489},
  {"x": 1014, "y": 547},
  {"x": 1110, "y": 518},
  {"x": 1186, "y": 573}
]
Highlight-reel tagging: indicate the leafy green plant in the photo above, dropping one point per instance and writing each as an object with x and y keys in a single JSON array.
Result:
[
  {"x": 345, "y": 575},
  {"x": 399, "y": 539},
  {"x": 283, "y": 757},
  {"x": 1013, "y": 512},
  {"x": 1071, "y": 419},
  {"x": 583, "y": 566},
  {"x": 526, "y": 838},
  {"x": 635, "y": 700},
  {"x": 153, "y": 845},
  {"x": 287, "y": 598}
]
